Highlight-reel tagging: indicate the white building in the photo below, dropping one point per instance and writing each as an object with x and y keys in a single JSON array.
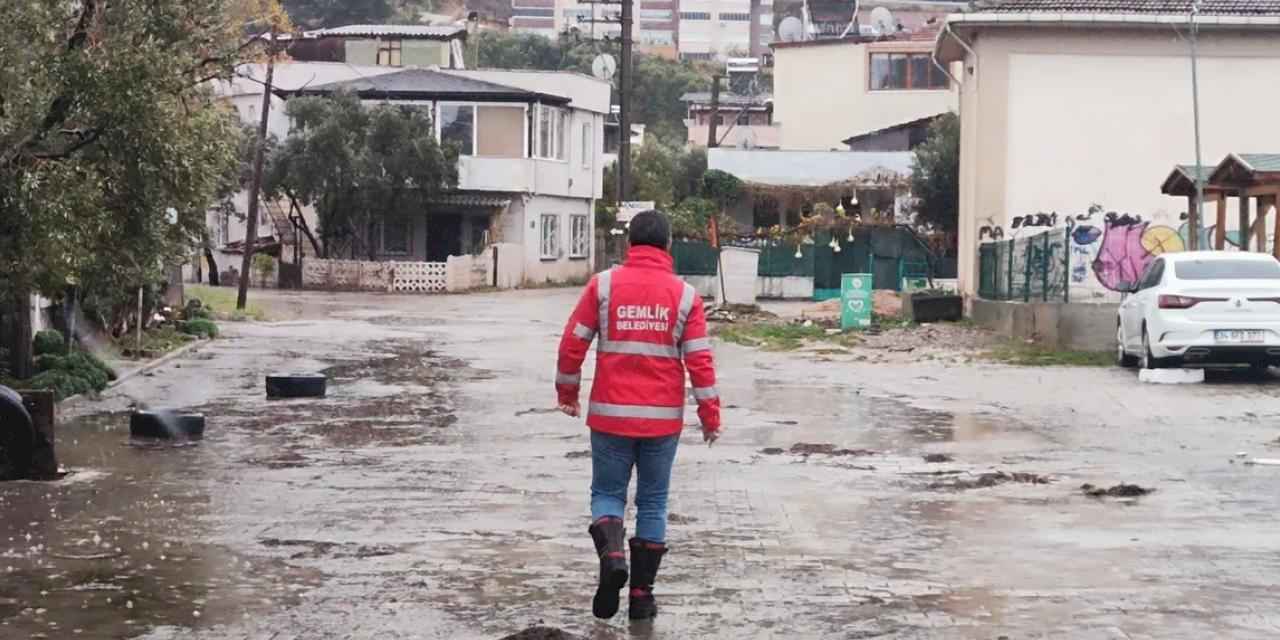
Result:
[
  {"x": 715, "y": 29},
  {"x": 1072, "y": 115},
  {"x": 530, "y": 170},
  {"x": 654, "y": 26}
]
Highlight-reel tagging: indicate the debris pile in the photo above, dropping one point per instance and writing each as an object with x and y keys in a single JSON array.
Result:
[
  {"x": 541, "y": 633},
  {"x": 807, "y": 449},
  {"x": 1121, "y": 490},
  {"x": 988, "y": 480}
]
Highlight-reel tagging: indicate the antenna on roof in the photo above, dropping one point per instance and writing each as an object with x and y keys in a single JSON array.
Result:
[
  {"x": 853, "y": 20},
  {"x": 791, "y": 29},
  {"x": 882, "y": 21}
]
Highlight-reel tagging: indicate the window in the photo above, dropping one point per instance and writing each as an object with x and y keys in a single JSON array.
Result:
[
  {"x": 695, "y": 55},
  {"x": 1219, "y": 269},
  {"x": 655, "y": 14},
  {"x": 1155, "y": 272},
  {"x": 553, "y": 127},
  {"x": 550, "y": 236},
  {"x": 458, "y": 127},
  {"x": 735, "y": 17},
  {"x": 534, "y": 13},
  {"x": 389, "y": 53},
  {"x": 392, "y": 237},
  {"x": 588, "y": 144},
  {"x": 906, "y": 71},
  {"x": 695, "y": 15},
  {"x": 579, "y": 237}
]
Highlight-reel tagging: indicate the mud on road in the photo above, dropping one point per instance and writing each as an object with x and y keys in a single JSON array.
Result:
[{"x": 437, "y": 494}]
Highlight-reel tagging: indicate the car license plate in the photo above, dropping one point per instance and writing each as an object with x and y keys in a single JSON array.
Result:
[{"x": 1236, "y": 336}]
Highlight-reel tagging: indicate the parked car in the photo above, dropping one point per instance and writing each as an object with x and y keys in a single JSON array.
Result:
[{"x": 1202, "y": 308}]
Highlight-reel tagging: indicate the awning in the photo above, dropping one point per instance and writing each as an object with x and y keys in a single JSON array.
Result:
[{"x": 470, "y": 200}]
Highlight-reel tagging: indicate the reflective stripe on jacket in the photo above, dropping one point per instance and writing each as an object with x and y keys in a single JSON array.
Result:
[{"x": 650, "y": 327}]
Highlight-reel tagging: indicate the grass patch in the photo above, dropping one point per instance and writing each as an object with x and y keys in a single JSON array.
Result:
[
  {"x": 781, "y": 337},
  {"x": 1034, "y": 355},
  {"x": 222, "y": 302}
]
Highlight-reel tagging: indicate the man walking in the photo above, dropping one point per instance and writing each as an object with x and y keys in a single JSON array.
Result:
[{"x": 651, "y": 327}]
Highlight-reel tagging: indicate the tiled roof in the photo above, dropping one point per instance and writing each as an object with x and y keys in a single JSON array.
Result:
[
  {"x": 393, "y": 30},
  {"x": 1133, "y": 7},
  {"x": 1261, "y": 161},
  {"x": 425, "y": 82},
  {"x": 469, "y": 200}
]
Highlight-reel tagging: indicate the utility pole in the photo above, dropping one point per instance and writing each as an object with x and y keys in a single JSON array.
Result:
[
  {"x": 624, "y": 19},
  {"x": 255, "y": 186},
  {"x": 754, "y": 29},
  {"x": 714, "y": 120},
  {"x": 1195, "y": 216}
]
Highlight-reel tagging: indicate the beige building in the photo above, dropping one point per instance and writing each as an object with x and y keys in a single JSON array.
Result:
[
  {"x": 825, "y": 91},
  {"x": 1080, "y": 116}
]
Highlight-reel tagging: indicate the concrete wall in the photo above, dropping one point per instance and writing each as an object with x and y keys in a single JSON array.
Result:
[
  {"x": 1086, "y": 327},
  {"x": 1055, "y": 121},
  {"x": 786, "y": 288},
  {"x": 362, "y": 51},
  {"x": 424, "y": 53},
  {"x": 821, "y": 94}
]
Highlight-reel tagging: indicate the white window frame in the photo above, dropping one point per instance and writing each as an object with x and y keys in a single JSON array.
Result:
[
  {"x": 394, "y": 48},
  {"x": 558, "y": 141},
  {"x": 579, "y": 246},
  {"x": 549, "y": 239}
]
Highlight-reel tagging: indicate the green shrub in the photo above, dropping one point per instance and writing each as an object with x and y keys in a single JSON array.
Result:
[
  {"x": 196, "y": 310},
  {"x": 92, "y": 366},
  {"x": 49, "y": 362},
  {"x": 64, "y": 384},
  {"x": 200, "y": 327},
  {"x": 50, "y": 341}
]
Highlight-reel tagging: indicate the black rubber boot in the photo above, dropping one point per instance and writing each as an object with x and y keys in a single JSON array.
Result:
[
  {"x": 608, "y": 534},
  {"x": 646, "y": 557}
]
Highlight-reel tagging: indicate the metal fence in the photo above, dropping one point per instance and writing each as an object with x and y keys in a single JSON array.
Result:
[{"x": 1033, "y": 268}]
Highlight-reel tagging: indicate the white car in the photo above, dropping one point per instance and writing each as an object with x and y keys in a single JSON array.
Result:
[{"x": 1202, "y": 308}]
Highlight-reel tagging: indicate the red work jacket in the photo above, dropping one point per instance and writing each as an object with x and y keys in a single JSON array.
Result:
[{"x": 651, "y": 327}]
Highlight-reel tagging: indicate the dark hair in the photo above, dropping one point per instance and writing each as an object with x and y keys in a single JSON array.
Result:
[{"x": 650, "y": 228}]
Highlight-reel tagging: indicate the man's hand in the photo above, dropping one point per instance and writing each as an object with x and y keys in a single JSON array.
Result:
[
  {"x": 571, "y": 409},
  {"x": 709, "y": 436}
]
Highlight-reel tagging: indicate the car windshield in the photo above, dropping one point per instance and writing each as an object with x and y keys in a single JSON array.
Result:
[{"x": 1228, "y": 270}]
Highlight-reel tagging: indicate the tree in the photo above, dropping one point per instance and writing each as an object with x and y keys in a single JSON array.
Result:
[
  {"x": 690, "y": 167},
  {"x": 935, "y": 175},
  {"x": 113, "y": 126},
  {"x": 359, "y": 166},
  {"x": 652, "y": 171},
  {"x": 317, "y": 14}
]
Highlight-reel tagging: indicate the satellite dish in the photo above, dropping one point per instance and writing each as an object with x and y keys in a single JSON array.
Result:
[
  {"x": 604, "y": 66},
  {"x": 791, "y": 29},
  {"x": 882, "y": 21}
]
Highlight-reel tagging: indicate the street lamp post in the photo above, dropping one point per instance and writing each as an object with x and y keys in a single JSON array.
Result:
[{"x": 1195, "y": 216}]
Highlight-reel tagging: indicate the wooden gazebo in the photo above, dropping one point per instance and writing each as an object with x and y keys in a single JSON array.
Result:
[
  {"x": 1182, "y": 182},
  {"x": 1251, "y": 176}
]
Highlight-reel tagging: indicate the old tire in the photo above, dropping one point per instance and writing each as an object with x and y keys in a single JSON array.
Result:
[
  {"x": 296, "y": 385},
  {"x": 17, "y": 436},
  {"x": 166, "y": 424}
]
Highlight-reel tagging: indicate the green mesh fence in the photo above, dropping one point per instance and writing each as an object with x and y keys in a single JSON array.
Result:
[
  {"x": 1033, "y": 268},
  {"x": 694, "y": 258}
]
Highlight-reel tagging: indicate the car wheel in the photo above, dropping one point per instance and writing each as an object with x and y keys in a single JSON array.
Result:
[
  {"x": 296, "y": 386},
  {"x": 17, "y": 436},
  {"x": 1149, "y": 361},
  {"x": 166, "y": 424},
  {"x": 1123, "y": 359}
]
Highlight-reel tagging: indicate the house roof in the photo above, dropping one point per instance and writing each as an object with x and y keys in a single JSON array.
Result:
[
  {"x": 428, "y": 32},
  {"x": 926, "y": 34},
  {"x": 1157, "y": 7},
  {"x": 902, "y": 125},
  {"x": 469, "y": 200},
  {"x": 292, "y": 76},
  {"x": 410, "y": 84},
  {"x": 1182, "y": 180},
  {"x": 1240, "y": 170},
  {"x": 809, "y": 168},
  {"x": 727, "y": 99}
]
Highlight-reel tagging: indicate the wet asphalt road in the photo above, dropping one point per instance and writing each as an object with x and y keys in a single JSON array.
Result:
[{"x": 432, "y": 495}]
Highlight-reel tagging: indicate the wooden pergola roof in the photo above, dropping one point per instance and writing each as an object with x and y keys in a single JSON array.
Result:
[
  {"x": 1248, "y": 173},
  {"x": 1182, "y": 181}
]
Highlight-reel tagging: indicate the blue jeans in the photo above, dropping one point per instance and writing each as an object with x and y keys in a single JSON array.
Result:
[{"x": 611, "y": 460}]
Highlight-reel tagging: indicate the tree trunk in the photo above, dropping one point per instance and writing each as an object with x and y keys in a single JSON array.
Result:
[
  {"x": 301, "y": 223},
  {"x": 213, "y": 266},
  {"x": 20, "y": 355}
]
